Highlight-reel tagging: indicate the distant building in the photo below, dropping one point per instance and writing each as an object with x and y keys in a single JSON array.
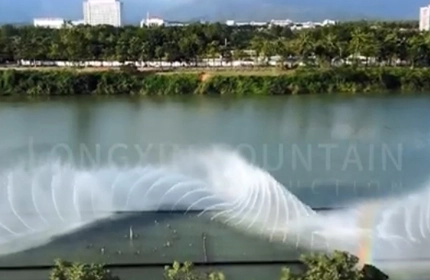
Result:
[
  {"x": 328, "y": 22},
  {"x": 78, "y": 22},
  {"x": 252, "y": 23},
  {"x": 242, "y": 23},
  {"x": 176, "y": 23},
  {"x": 103, "y": 12},
  {"x": 258, "y": 23},
  {"x": 282, "y": 22},
  {"x": 425, "y": 18},
  {"x": 152, "y": 21},
  {"x": 54, "y": 23},
  {"x": 157, "y": 21}
]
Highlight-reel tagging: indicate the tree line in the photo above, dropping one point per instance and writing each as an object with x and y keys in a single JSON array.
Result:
[
  {"x": 347, "y": 80},
  {"x": 333, "y": 266},
  {"x": 382, "y": 43}
]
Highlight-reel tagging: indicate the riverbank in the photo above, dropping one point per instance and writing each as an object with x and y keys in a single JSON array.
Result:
[
  {"x": 233, "y": 71},
  {"x": 301, "y": 81}
]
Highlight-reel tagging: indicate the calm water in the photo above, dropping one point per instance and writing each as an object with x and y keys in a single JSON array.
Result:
[{"x": 328, "y": 151}]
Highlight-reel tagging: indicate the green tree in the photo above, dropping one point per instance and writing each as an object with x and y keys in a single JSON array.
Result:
[
  {"x": 257, "y": 45},
  {"x": 335, "y": 266},
  {"x": 305, "y": 45},
  {"x": 387, "y": 42},
  {"x": 186, "y": 271},
  {"x": 285, "y": 49},
  {"x": 213, "y": 50},
  {"x": 418, "y": 50},
  {"x": 76, "y": 271}
]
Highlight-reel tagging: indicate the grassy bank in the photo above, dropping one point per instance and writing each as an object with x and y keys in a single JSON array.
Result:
[{"x": 305, "y": 81}]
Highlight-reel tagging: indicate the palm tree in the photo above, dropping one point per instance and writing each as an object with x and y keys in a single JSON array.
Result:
[
  {"x": 334, "y": 47},
  {"x": 305, "y": 45},
  {"x": 363, "y": 43},
  {"x": 213, "y": 50},
  {"x": 388, "y": 50},
  {"x": 417, "y": 50},
  {"x": 268, "y": 50},
  {"x": 257, "y": 45},
  {"x": 358, "y": 40}
]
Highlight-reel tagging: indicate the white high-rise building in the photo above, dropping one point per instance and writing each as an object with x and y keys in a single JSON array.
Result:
[
  {"x": 97, "y": 12},
  {"x": 425, "y": 18}
]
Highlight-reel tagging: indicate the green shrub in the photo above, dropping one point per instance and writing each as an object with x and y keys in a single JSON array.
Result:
[
  {"x": 130, "y": 81},
  {"x": 76, "y": 271},
  {"x": 336, "y": 266},
  {"x": 186, "y": 272},
  {"x": 129, "y": 68}
]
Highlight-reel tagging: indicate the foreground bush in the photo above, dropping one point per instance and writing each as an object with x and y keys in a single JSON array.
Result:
[
  {"x": 336, "y": 266},
  {"x": 76, "y": 271},
  {"x": 130, "y": 82},
  {"x": 186, "y": 272}
]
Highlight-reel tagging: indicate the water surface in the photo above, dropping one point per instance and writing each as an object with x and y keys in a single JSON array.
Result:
[{"x": 328, "y": 151}]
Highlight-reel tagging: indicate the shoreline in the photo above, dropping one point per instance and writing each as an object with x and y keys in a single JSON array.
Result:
[{"x": 268, "y": 82}]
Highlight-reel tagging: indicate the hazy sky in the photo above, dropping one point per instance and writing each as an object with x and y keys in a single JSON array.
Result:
[{"x": 25, "y": 10}]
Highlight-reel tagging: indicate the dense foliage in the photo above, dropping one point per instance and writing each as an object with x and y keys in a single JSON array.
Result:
[
  {"x": 315, "y": 81},
  {"x": 336, "y": 266},
  {"x": 64, "y": 270},
  {"x": 186, "y": 271},
  {"x": 385, "y": 42}
]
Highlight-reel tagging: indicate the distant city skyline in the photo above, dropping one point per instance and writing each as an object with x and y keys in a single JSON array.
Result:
[{"x": 220, "y": 10}]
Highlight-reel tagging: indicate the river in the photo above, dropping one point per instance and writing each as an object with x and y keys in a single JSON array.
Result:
[{"x": 328, "y": 151}]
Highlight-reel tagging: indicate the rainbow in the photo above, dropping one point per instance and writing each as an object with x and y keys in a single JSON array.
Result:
[{"x": 367, "y": 221}]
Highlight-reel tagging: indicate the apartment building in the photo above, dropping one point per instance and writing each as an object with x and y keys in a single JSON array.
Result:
[
  {"x": 106, "y": 12},
  {"x": 425, "y": 18}
]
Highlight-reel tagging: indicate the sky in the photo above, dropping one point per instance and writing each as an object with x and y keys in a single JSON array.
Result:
[{"x": 134, "y": 10}]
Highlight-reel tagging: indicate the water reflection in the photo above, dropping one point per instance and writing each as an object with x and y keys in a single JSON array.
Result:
[{"x": 271, "y": 132}]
